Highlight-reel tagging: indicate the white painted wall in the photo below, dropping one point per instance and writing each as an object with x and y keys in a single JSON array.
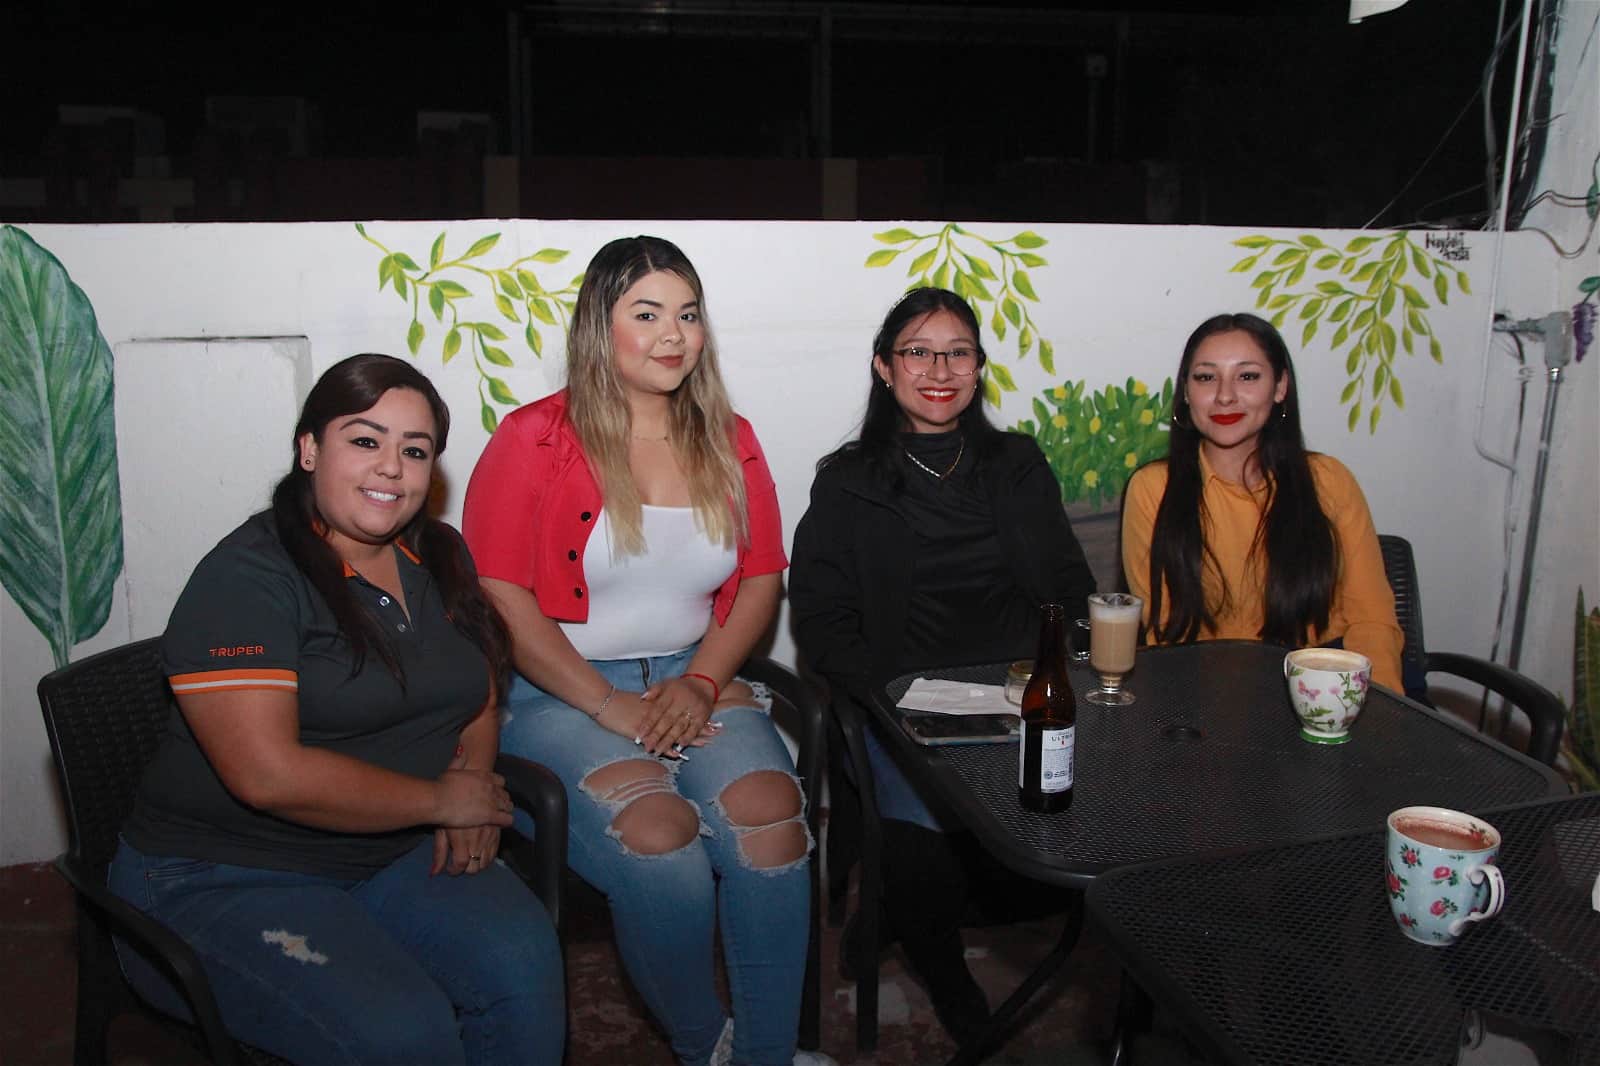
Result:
[
  {"x": 1568, "y": 548},
  {"x": 793, "y": 309}
]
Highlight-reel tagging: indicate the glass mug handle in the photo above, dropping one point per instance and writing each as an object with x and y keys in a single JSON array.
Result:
[{"x": 1497, "y": 896}]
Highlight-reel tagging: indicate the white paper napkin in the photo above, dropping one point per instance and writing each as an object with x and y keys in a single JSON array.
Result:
[{"x": 956, "y": 697}]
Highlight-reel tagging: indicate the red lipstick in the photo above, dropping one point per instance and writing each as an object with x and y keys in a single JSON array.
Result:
[{"x": 1227, "y": 420}]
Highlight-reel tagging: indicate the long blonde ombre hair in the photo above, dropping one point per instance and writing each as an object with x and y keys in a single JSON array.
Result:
[{"x": 702, "y": 428}]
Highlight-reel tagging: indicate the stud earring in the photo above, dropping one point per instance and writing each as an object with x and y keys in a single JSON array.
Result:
[{"x": 306, "y": 462}]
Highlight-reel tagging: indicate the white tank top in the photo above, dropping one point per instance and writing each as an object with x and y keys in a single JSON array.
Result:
[{"x": 651, "y": 604}]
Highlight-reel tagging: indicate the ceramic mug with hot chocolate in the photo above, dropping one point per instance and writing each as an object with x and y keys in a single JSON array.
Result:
[
  {"x": 1439, "y": 871},
  {"x": 1327, "y": 687}
]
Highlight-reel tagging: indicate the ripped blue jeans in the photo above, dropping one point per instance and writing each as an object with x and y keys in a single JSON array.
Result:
[{"x": 667, "y": 908}]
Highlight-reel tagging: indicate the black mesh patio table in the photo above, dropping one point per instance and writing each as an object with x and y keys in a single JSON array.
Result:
[
  {"x": 1209, "y": 757},
  {"x": 1289, "y": 953}
]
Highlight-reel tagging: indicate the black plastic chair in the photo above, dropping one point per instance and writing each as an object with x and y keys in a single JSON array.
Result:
[
  {"x": 105, "y": 716},
  {"x": 847, "y": 737},
  {"x": 1546, "y": 716}
]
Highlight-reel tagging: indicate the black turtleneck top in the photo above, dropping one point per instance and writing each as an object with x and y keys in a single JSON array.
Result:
[{"x": 964, "y": 604}]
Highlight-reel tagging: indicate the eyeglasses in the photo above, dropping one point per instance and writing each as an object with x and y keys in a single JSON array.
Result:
[{"x": 961, "y": 362}]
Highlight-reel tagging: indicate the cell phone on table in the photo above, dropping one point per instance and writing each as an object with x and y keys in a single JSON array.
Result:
[{"x": 934, "y": 729}]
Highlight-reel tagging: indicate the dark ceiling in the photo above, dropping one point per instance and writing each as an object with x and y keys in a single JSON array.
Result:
[{"x": 1294, "y": 117}]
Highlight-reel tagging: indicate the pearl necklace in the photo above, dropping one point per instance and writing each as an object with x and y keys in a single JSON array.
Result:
[{"x": 947, "y": 470}]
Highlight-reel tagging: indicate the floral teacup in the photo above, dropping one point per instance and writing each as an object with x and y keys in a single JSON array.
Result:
[
  {"x": 1327, "y": 687},
  {"x": 1439, "y": 872}
]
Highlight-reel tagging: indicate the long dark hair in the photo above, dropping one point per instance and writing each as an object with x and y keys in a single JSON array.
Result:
[
  {"x": 1295, "y": 534},
  {"x": 349, "y": 387},
  {"x": 877, "y": 443}
]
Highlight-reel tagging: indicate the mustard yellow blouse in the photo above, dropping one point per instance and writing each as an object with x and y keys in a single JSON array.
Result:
[{"x": 1362, "y": 611}]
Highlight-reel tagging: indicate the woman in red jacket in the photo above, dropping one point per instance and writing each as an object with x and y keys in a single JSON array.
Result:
[{"x": 627, "y": 528}]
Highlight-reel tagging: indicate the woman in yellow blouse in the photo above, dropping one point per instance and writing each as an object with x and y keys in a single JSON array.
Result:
[{"x": 1242, "y": 533}]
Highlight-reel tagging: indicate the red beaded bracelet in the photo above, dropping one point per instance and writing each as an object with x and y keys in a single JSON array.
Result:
[{"x": 716, "y": 689}]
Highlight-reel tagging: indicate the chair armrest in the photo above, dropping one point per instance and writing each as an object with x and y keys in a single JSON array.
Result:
[
  {"x": 852, "y": 719},
  {"x": 813, "y": 724},
  {"x": 161, "y": 946},
  {"x": 1545, "y": 713},
  {"x": 537, "y": 790}
]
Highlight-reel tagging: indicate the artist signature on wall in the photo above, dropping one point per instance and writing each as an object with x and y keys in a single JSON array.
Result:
[{"x": 1451, "y": 246}]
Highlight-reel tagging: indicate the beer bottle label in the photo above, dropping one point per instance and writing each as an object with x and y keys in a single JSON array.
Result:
[{"x": 1055, "y": 757}]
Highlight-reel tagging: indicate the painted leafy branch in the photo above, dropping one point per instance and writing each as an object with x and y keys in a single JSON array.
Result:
[
  {"x": 1095, "y": 441},
  {"x": 957, "y": 259},
  {"x": 519, "y": 297},
  {"x": 1367, "y": 296},
  {"x": 60, "y": 501}
]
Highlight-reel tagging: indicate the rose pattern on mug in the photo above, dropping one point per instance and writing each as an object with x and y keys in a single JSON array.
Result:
[
  {"x": 1450, "y": 882},
  {"x": 1397, "y": 884}
]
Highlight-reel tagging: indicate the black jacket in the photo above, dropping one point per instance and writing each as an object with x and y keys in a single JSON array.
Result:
[{"x": 850, "y": 570}]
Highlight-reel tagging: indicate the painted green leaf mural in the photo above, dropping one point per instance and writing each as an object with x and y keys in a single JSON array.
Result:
[
  {"x": 514, "y": 290},
  {"x": 60, "y": 504},
  {"x": 1373, "y": 296},
  {"x": 956, "y": 259}
]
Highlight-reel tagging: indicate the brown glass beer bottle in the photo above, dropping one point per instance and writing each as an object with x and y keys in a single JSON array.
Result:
[{"x": 1049, "y": 722}]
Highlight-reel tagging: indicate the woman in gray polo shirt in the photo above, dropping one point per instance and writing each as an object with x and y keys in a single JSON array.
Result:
[{"x": 322, "y": 820}]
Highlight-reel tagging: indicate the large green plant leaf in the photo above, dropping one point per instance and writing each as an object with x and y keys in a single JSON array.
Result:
[
  {"x": 1583, "y": 729},
  {"x": 60, "y": 506}
]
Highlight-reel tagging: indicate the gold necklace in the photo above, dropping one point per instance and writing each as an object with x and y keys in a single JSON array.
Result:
[
  {"x": 947, "y": 470},
  {"x": 651, "y": 440}
]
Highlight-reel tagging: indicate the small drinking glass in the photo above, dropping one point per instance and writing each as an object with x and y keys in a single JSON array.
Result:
[
  {"x": 1113, "y": 637},
  {"x": 1080, "y": 642}
]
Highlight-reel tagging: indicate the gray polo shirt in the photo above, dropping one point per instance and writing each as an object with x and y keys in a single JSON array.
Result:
[{"x": 249, "y": 619}]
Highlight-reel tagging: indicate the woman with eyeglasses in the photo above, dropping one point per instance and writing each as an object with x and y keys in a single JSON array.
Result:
[
  {"x": 1242, "y": 533},
  {"x": 931, "y": 539}
]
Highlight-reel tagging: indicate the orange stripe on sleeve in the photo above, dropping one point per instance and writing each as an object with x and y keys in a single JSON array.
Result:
[{"x": 234, "y": 681}]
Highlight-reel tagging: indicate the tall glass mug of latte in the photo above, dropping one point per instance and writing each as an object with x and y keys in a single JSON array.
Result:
[{"x": 1113, "y": 637}]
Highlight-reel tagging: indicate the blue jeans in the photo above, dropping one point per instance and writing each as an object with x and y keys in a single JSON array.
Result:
[
  {"x": 400, "y": 967},
  {"x": 897, "y": 796},
  {"x": 666, "y": 908}
]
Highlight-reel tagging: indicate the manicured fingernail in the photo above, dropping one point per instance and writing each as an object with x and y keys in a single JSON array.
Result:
[{"x": 639, "y": 741}]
